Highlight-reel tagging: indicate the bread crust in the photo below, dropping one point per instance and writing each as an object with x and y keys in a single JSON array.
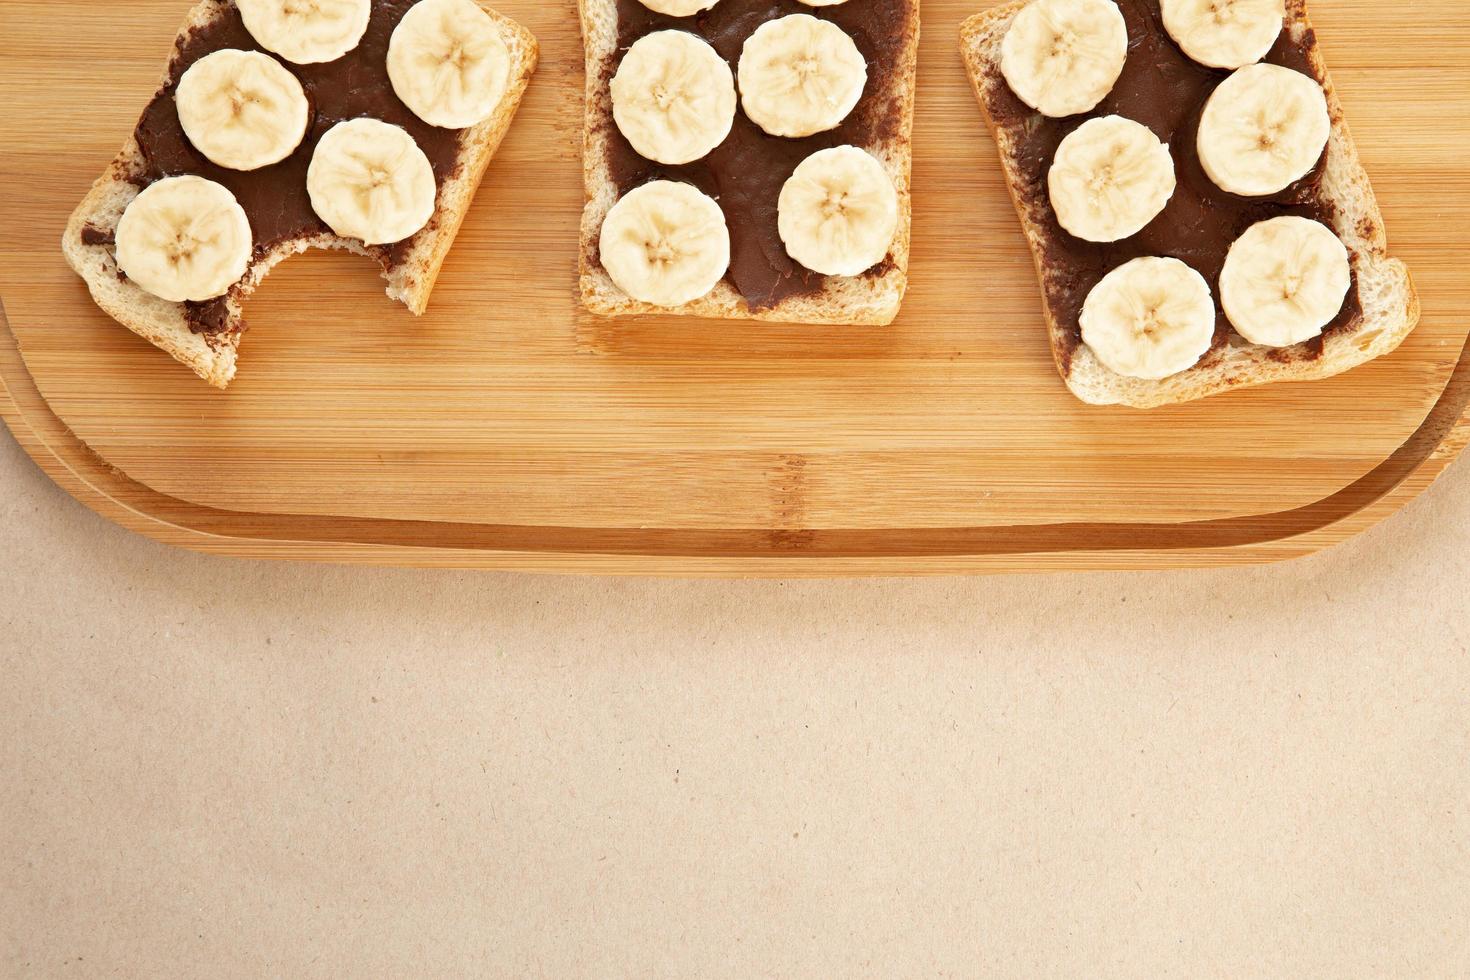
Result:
[
  {"x": 1390, "y": 303},
  {"x": 411, "y": 281},
  {"x": 868, "y": 299}
]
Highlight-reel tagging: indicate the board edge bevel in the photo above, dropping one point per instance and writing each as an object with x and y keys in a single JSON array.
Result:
[{"x": 85, "y": 475}]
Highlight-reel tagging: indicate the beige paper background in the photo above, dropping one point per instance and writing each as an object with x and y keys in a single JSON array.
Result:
[{"x": 219, "y": 768}]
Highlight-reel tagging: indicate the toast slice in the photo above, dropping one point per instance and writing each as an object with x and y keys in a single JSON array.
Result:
[
  {"x": 871, "y": 298},
  {"x": 1385, "y": 292},
  {"x": 410, "y": 268}
]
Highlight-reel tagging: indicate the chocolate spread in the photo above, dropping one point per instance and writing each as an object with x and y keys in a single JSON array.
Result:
[
  {"x": 92, "y": 235},
  {"x": 274, "y": 197},
  {"x": 746, "y": 172},
  {"x": 1165, "y": 90}
]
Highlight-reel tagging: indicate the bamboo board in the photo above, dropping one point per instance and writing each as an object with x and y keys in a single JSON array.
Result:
[{"x": 509, "y": 429}]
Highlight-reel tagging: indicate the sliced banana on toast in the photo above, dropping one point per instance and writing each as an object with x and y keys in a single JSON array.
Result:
[
  {"x": 1224, "y": 33},
  {"x": 838, "y": 212},
  {"x": 184, "y": 239},
  {"x": 370, "y": 181},
  {"x": 800, "y": 76},
  {"x": 1285, "y": 280},
  {"x": 1263, "y": 129},
  {"x": 665, "y": 243},
  {"x": 307, "y": 32},
  {"x": 1063, "y": 57},
  {"x": 449, "y": 63},
  {"x": 679, "y": 8},
  {"x": 1150, "y": 318},
  {"x": 673, "y": 97},
  {"x": 242, "y": 109},
  {"x": 1111, "y": 176}
]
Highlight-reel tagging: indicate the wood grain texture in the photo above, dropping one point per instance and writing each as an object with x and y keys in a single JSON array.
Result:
[{"x": 506, "y": 428}]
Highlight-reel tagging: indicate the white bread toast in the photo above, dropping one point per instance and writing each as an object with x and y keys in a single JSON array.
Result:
[
  {"x": 873, "y": 298},
  {"x": 1390, "y": 305},
  {"x": 410, "y": 277}
]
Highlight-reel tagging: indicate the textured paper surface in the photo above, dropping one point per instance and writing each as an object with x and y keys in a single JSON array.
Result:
[{"x": 219, "y": 768}]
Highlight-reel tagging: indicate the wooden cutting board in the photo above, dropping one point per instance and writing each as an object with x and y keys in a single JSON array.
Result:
[{"x": 509, "y": 429}]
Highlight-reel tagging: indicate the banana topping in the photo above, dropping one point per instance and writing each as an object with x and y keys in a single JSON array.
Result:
[
  {"x": 1284, "y": 280},
  {"x": 1111, "y": 177},
  {"x": 673, "y": 97},
  {"x": 184, "y": 239},
  {"x": 679, "y": 8},
  {"x": 1224, "y": 33},
  {"x": 369, "y": 180},
  {"x": 1263, "y": 129},
  {"x": 307, "y": 32},
  {"x": 1150, "y": 318},
  {"x": 449, "y": 63},
  {"x": 839, "y": 212},
  {"x": 800, "y": 75},
  {"x": 241, "y": 109},
  {"x": 1062, "y": 57},
  {"x": 665, "y": 243}
]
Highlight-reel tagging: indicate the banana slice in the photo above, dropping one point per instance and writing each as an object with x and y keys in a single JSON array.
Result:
[
  {"x": 1224, "y": 33},
  {"x": 184, "y": 239},
  {"x": 1263, "y": 129},
  {"x": 839, "y": 212},
  {"x": 679, "y": 8},
  {"x": 1284, "y": 280},
  {"x": 1150, "y": 318},
  {"x": 673, "y": 97},
  {"x": 665, "y": 243},
  {"x": 241, "y": 109},
  {"x": 369, "y": 180},
  {"x": 1111, "y": 177},
  {"x": 1062, "y": 57},
  {"x": 800, "y": 75},
  {"x": 306, "y": 32},
  {"x": 448, "y": 63}
]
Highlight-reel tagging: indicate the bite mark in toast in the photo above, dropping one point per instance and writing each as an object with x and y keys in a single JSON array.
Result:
[{"x": 410, "y": 268}]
